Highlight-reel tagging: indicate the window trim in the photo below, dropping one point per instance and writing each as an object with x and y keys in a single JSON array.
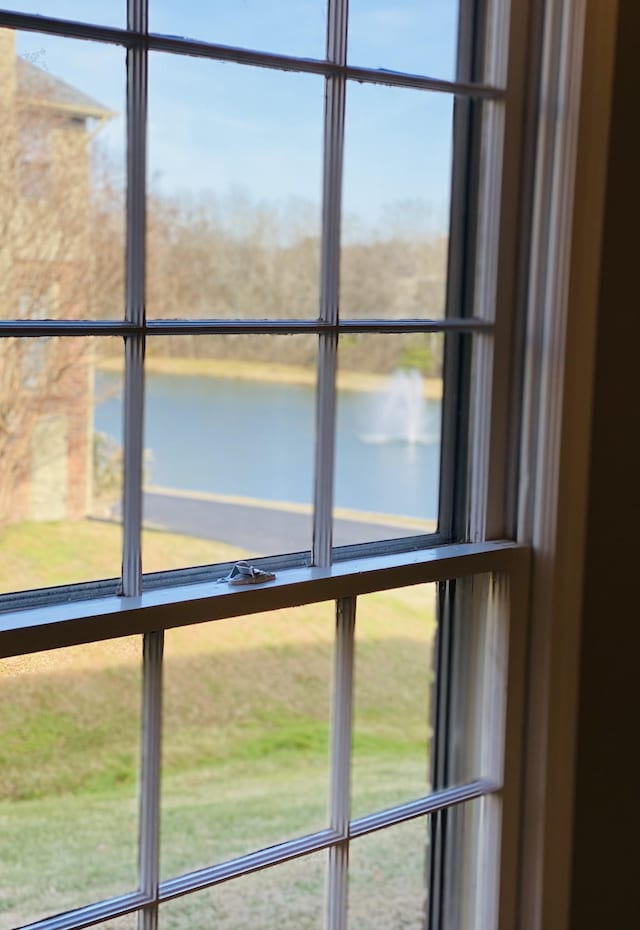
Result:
[
  {"x": 52, "y": 626},
  {"x": 574, "y": 80}
]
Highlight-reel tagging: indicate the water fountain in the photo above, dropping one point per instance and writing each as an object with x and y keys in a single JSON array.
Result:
[{"x": 400, "y": 413}]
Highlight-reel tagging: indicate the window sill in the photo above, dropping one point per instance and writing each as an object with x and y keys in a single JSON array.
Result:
[{"x": 56, "y": 625}]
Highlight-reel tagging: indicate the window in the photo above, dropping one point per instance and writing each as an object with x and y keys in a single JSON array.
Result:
[{"x": 289, "y": 326}]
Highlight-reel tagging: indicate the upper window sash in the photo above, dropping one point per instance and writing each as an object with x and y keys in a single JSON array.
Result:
[{"x": 474, "y": 448}]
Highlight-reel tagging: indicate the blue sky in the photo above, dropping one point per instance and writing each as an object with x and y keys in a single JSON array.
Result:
[{"x": 216, "y": 128}]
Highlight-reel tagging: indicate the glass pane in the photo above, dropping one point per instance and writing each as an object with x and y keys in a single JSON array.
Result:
[
  {"x": 61, "y": 461},
  {"x": 388, "y": 878},
  {"x": 464, "y": 838},
  {"x": 235, "y": 165},
  {"x": 229, "y": 436},
  {"x": 69, "y": 750},
  {"x": 407, "y": 35},
  {"x": 103, "y": 12},
  {"x": 389, "y": 402},
  {"x": 290, "y": 27},
  {"x": 246, "y": 733},
  {"x": 394, "y": 677},
  {"x": 396, "y": 204},
  {"x": 285, "y": 897},
  {"x": 62, "y": 144},
  {"x": 477, "y": 662}
]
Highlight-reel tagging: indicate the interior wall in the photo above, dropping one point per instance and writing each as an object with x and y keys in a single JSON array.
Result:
[{"x": 606, "y": 855}]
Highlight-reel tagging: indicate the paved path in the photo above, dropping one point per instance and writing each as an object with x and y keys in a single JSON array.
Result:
[{"x": 260, "y": 530}]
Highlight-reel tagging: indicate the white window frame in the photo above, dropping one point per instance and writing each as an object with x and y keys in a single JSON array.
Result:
[{"x": 79, "y": 614}]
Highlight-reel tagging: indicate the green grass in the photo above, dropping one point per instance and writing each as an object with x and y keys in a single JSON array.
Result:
[
  {"x": 245, "y": 753},
  {"x": 36, "y": 555}
]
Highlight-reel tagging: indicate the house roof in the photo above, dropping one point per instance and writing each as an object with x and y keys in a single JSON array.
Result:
[{"x": 41, "y": 88}]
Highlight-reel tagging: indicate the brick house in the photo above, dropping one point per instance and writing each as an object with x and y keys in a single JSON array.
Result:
[{"x": 46, "y": 441}]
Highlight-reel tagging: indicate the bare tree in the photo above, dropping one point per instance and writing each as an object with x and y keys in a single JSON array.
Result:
[{"x": 47, "y": 271}]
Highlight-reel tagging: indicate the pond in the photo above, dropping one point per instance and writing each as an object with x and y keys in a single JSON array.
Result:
[{"x": 255, "y": 440}]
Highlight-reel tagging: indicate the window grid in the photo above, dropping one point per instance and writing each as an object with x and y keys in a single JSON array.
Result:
[
  {"x": 149, "y": 845},
  {"x": 132, "y": 38},
  {"x": 135, "y": 327},
  {"x": 342, "y": 829},
  {"x": 341, "y": 761},
  {"x": 335, "y": 92},
  {"x": 137, "y": 70}
]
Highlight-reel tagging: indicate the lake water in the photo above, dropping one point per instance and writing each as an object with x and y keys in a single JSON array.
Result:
[{"x": 256, "y": 440}]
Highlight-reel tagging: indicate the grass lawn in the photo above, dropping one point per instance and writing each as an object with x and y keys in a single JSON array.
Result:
[
  {"x": 36, "y": 555},
  {"x": 245, "y": 755}
]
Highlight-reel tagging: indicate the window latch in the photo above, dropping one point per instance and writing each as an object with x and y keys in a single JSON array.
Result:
[{"x": 244, "y": 573}]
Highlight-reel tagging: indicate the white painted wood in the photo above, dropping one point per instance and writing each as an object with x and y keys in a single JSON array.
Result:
[
  {"x": 572, "y": 150},
  {"x": 137, "y": 38},
  {"x": 92, "y": 914},
  {"x": 329, "y": 284},
  {"x": 341, "y": 726},
  {"x": 68, "y": 624},
  {"x": 137, "y": 16},
  {"x": 34, "y": 328},
  {"x": 133, "y": 454},
  {"x": 149, "y": 846}
]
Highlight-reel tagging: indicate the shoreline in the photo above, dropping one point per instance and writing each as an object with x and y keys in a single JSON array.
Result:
[
  {"x": 266, "y": 372},
  {"x": 420, "y": 524}
]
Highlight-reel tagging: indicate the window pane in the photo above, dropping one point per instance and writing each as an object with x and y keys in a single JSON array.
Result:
[
  {"x": 464, "y": 838},
  {"x": 103, "y": 12},
  {"x": 407, "y": 35},
  {"x": 389, "y": 404},
  {"x": 62, "y": 166},
  {"x": 235, "y": 165},
  {"x": 396, "y": 204},
  {"x": 246, "y": 732},
  {"x": 61, "y": 461},
  {"x": 69, "y": 750},
  {"x": 284, "y": 897},
  {"x": 229, "y": 427},
  {"x": 476, "y": 661},
  {"x": 394, "y": 678},
  {"x": 388, "y": 878},
  {"x": 290, "y": 27}
]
